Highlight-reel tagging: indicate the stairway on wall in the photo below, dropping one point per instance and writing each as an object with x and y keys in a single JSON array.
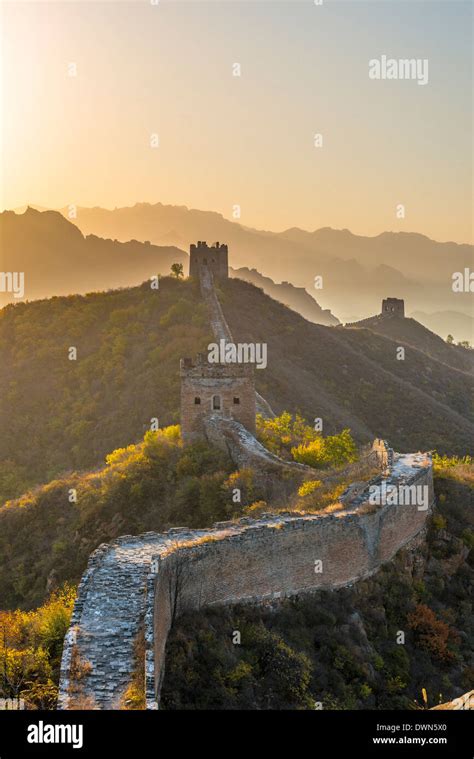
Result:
[{"x": 221, "y": 329}]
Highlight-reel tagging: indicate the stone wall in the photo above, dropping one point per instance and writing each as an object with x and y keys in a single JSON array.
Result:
[
  {"x": 212, "y": 257},
  {"x": 224, "y": 390},
  {"x": 136, "y": 580},
  {"x": 221, "y": 329}
]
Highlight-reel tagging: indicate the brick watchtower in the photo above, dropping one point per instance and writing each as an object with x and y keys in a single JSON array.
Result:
[
  {"x": 226, "y": 390},
  {"x": 214, "y": 258},
  {"x": 393, "y": 306}
]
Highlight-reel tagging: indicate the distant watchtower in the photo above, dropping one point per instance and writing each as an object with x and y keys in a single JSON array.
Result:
[
  {"x": 393, "y": 306},
  {"x": 227, "y": 390},
  {"x": 214, "y": 258}
]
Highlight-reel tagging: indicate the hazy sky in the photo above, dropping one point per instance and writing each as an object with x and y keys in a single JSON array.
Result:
[{"x": 223, "y": 140}]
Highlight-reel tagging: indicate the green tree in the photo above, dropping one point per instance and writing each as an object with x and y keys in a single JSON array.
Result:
[{"x": 177, "y": 270}]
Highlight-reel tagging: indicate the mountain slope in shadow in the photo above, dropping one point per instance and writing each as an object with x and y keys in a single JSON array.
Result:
[
  {"x": 407, "y": 331},
  {"x": 352, "y": 378},
  {"x": 297, "y": 298},
  {"x": 57, "y": 259},
  {"x": 57, "y": 414}
]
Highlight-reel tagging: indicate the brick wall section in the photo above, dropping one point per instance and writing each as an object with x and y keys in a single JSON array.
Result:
[
  {"x": 232, "y": 384},
  {"x": 128, "y": 583},
  {"x": 221, "y": 329}
]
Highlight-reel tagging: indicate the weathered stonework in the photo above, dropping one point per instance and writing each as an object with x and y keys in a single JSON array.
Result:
[
  {"x": 212, "y": 257},
  {"x": 393, "y": 307},
  {"x": 132, "y": 580},
  {"x": 223, "y": 390},
  {"x": 220, "y": 328}
]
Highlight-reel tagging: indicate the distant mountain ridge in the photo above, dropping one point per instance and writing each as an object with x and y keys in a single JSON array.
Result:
[
  {"x": 57, "y": 259},
  {"x": 357, "y": 271},
  {"x": 296, "y": 298},
  {"x": 407, "y": 331},
  {"x": 446, "y": 323}
]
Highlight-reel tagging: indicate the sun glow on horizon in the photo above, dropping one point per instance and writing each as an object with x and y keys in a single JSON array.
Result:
[{"x": 86, "y": 86}]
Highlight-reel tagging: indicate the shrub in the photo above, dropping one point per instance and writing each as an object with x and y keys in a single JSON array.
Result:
[
  {"x": 333, "y": 450},
  {"x": 433, "y": 635},
  {"x": 309, "y": 487}
]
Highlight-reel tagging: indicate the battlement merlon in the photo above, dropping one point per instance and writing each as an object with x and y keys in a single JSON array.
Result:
[
  {"x": 202, "y": 245},
  {"x": 202, "y": 368}
]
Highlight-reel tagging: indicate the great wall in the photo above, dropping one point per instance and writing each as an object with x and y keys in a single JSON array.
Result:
[{"x": 141, "y": 582}]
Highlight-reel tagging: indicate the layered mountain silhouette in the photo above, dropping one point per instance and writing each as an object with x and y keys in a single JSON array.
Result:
[
  {"x": 357, "y": 271},
  {"x": 57, "y": 259},
  {"x": 297, "y": 298},
  {"x": 446, "y": 323}
]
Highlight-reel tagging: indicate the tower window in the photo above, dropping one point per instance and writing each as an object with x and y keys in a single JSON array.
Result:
[
  {"x": 216, "y": 403},
  {"x": 197, "y": 400},
  {"x": 236, "y": 401}
]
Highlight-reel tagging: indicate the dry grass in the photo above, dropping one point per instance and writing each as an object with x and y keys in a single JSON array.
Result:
[
  {"x": 134, "y": 697},
  {"x": 79, "y": 669}
]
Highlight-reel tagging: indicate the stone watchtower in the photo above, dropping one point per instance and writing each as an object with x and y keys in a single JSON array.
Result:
[
  {"x": 214, "y": 258},
  {"x": 393, "y": 306},
  {"x": 226, "y": 390}
]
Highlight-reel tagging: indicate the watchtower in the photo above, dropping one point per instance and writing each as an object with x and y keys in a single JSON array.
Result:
[
  {"x": 226, "y": 390},
  {"x": 393, "y": 306},
  {"x": 214, "y": 257}
]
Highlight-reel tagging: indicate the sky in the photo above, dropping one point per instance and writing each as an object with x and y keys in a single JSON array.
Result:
[{"x": 166, "y": 69}]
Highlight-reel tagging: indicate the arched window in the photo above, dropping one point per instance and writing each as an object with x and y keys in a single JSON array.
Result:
[{"x": 216, "y": 403}]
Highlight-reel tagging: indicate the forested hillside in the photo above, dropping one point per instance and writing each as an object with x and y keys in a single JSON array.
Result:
[
  {"x": 56, "y": 414},
  {"x": 46, "y": 538},
  {"x": 352, "y": 377},
  {"x": 410, "y": 332},
  {"x": 59, "y": 415},
  {"x": 47, "y": 535}
]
